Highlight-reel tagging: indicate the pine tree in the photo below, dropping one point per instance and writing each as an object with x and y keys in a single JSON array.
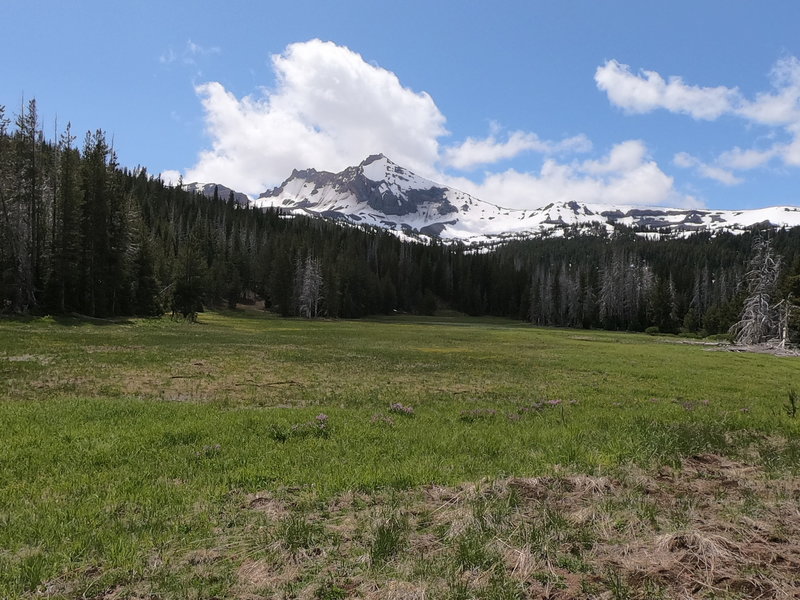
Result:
[
  {"x": 188, "y": 289},
  {"x": 64, "y": 275}
]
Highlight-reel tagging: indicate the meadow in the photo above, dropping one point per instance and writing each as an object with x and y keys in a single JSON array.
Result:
[{"x": 248, "y": 456}]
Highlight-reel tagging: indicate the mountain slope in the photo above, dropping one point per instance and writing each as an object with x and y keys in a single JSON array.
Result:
[
  {"x": 223, "y": 192},
  {"x": 380, "y": 193}
]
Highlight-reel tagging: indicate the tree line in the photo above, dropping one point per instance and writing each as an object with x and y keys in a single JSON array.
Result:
[{"x": 81, "y": 234}]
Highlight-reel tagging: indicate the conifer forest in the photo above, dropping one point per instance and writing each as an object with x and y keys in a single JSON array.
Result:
[{"x": 80, "y": 233}]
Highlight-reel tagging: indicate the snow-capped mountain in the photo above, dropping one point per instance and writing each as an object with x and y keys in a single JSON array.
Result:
[
  {"x": 380, "y": 193},
  {"x": 223, "y": 193}
]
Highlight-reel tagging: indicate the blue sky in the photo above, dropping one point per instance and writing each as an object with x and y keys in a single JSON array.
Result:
[{"x": 520, "y": 103}]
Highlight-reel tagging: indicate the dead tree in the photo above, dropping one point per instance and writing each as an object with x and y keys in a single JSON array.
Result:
[
  {"x": 759, "y": 320},
  {"x": 311, "y": 286}
]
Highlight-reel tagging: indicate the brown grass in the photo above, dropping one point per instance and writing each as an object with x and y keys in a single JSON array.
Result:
[{"x": 693, "y": 532}]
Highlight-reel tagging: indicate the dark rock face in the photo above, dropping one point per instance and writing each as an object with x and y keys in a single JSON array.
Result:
[
  {"x": 222, "y": 192},
  {"x": 578, "y": 209},
  {"x": 435, "y": 229},
  {"x": 693, "y": 217},
  {"x": 643, "y": 212}
]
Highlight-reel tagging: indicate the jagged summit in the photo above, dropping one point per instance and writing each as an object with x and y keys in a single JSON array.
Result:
[{"x": 372, "y": 158}]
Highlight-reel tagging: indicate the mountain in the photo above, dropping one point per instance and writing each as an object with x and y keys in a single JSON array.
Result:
[
  {"x": 380, "y": 193},
  {"x": 223, "y": 192}
]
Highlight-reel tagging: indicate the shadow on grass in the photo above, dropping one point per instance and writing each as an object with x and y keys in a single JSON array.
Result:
[{"x": 69, "y": 320}]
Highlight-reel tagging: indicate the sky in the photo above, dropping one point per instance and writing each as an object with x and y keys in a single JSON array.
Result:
[{"x": 520, "y": 103}]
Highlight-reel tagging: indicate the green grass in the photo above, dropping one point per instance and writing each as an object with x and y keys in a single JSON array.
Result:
[{"x": 129, "y": 444}]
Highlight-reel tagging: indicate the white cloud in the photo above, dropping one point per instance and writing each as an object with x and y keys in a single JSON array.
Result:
[
  {"x": 723, "y": 176},
  {"x": 782, "y": 107},
  {"x": 744, "y": 160},
  {"x": 778, "y": 110},
  {"x": 647, "y": 91},
  {"x": 489, "y": 150},
  {"x": 170, "y": 177},
  {"x": 330, "y": 109},
  {"x": 625, "y": 156},
  {"x": 626, "y": 176}
]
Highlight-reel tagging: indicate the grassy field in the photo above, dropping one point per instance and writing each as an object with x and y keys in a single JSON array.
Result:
[{"x": 248, "y": 456}]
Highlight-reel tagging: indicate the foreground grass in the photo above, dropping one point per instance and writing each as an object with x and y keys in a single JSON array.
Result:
[{"x": 134, "y": 450}]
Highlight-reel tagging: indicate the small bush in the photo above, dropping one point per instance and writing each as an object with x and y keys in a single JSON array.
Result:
[
  {"x": 318, "y": 427},
  {"x": 653, "y": 330},
  {"x": 400, "y": 409}
]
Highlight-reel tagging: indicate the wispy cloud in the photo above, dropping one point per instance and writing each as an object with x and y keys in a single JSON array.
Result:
[
  {"x": 718, "y": 174},
  {"x": 778, "y": 110},
  {"x": 188, "y": 54},
  {"x": 647, "y": 91},
  {"x": 489, "y": 150}
]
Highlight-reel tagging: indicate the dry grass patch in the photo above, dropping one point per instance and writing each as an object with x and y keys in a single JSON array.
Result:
[{"x": 623, "y": 535}]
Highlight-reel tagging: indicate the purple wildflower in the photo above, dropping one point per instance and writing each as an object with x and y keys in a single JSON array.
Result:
[{"x": 398, "y": 408}]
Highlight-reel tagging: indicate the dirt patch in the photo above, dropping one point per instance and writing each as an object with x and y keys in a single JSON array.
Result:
[
  {"x": 268, "y": 505},
  {"x": 264, "y": 574},
  {"x": 96, "y": 349}
]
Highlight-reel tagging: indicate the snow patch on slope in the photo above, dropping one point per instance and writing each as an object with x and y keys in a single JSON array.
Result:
[{"x": 380, "y": 193}]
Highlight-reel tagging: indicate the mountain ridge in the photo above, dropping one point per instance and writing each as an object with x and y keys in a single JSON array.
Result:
[{"x": 378, "y": 192}]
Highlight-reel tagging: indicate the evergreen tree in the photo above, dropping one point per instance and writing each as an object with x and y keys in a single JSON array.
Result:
[{"x": 187, "y": 296}]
